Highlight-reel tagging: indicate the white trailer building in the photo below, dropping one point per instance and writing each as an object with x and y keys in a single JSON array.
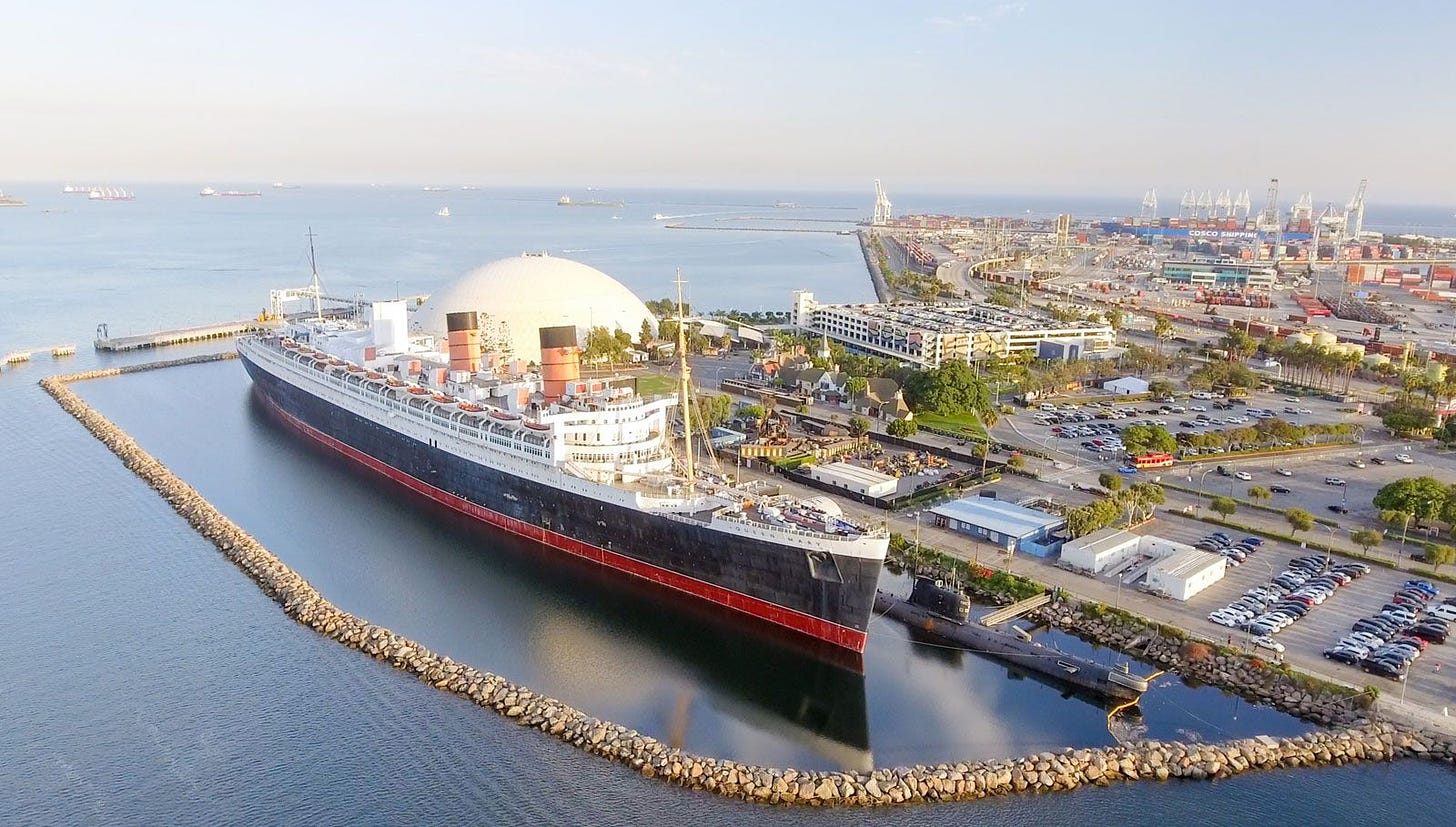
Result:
[{"x": 1186, "y": 573}]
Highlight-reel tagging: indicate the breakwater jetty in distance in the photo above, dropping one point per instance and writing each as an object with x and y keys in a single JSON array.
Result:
[{"x": 960, "y": 781}]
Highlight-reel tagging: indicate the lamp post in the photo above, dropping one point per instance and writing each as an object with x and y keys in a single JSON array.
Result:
[{"x": 1200, "y": 483}]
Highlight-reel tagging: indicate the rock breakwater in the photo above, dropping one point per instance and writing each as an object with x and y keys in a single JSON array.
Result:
[{"x": 960, "y": 781}]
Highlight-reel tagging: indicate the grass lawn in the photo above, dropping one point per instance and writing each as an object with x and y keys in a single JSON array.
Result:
[
  {"x": 656, "y": 384},
  {"x": 966, "y": 423}
]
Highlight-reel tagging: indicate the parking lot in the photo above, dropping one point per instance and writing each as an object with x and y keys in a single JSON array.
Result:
[{"x": 1306, "y": 640}]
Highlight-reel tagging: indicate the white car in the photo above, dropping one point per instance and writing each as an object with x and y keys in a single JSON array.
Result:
[
  {"x": 1243, "y": 475},
  {"x": 1284, "y": 472},
  {"x": 1404, "y": 458},
  {"x": 1266, "y": 642},
  {"x": 1444, "y": 611},
  {"x": 1197, "y": 408}
]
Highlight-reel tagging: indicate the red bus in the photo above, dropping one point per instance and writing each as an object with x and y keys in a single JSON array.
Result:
[{"x": 1147, "y": 461}]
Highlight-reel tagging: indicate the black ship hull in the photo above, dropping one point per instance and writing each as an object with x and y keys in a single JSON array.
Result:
[{"x": 773, "y": 582}]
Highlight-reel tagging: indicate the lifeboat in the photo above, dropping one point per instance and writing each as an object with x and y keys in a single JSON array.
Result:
[
  {"x": 471, "y": 407},
  {"x": 538, "y": 426},
  {"x": 338, "y": 363},
  {"x": 418, "y": 391},
  {"x": 355, "y": 369},
  {"x": 443, "y": 399},
  {"x": 505, "y": 415},
  {"x": 394, "y": 383},
  {"x": 374, "y": 374},
  {"x": 290, "y": 344}
]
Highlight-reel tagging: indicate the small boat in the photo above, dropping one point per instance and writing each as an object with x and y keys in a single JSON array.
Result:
[
  {"x": 355, "y": 369},
  {"x": 207, "y": 192},
  {"x": 418, "y": 391},
  {"x": 505, "y": 415},
  {"x": 338, "y": 363},
  {"x": 537, "y": 426},
  {"x": 394, "y": 383},
  {"x": 443, "y": 212},
  {"x": 443, "y": 399},
  {"x": 471, "y": 407},
  {"x": 374, "y": 374}
]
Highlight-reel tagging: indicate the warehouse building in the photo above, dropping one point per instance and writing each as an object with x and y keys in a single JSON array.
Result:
[
  {"x": 854, "y": 478},
  {"x": 1100, "y": 551},
  {"x": 1126, "y": 386},
  {"x": 1185, "y": 573},
  {"x": 929, "y": 334},
  {"x": 1011, "y": 526}
]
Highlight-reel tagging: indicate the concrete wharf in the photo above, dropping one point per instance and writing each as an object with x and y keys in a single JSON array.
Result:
[
  {"x": 177, "y": 336},
  {"x": 24, "y": 354}
]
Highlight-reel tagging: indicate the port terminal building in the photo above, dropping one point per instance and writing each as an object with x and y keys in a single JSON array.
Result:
[
  {"x": 1220, "y": 275},
  {"x": 1012, "y": 527},
  {"x": 930, "y": 334}
]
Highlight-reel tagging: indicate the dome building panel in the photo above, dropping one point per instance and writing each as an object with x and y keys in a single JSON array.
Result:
[{"x": 515, "y": 297}]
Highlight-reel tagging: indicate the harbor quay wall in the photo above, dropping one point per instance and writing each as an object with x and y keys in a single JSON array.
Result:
[{"x": 954, "y": 781}]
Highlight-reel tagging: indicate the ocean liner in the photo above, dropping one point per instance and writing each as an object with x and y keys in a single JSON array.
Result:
[{"x": 581, "y": 465}]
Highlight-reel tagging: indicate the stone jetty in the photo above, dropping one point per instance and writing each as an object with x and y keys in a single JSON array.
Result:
[{"x": 1361, "y": 740}]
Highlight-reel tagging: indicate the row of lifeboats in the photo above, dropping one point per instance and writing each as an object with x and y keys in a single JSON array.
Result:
[{"x": 323, "y": 360}]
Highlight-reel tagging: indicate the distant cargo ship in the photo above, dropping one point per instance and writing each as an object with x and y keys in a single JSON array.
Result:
[
  {"x": 7, "y": 201},
  {"x": 72, "y": 189},
  {"x": 1229, "y": 229},
  {"x": 565, "y": 201},
  {"x": 434, "y": 189},
  {"x": 108, "y": 194},
  {"x": 209, "y": 192},
  {"x": 279, "y": 185}
]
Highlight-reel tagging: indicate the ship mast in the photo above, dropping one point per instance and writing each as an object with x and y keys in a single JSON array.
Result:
[
  {"x": 318, "y": 310},
  {"x": 684, "y": 391}
]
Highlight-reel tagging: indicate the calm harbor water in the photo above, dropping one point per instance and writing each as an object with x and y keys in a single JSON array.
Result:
[{"x": 148, "y": 681}]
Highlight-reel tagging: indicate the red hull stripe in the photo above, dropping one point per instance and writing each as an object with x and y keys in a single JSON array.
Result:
[{"x": 798, "y": 621}]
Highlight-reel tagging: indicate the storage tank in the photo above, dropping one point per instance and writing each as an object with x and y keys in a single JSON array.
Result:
[
  {"x": 1324, "y": 338},
  {"x": 1373, "y": 359},
  {"x": 1300, "y": 338}
]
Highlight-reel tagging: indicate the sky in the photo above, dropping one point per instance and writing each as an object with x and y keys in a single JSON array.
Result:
[{"x": 1027, "y": 96}]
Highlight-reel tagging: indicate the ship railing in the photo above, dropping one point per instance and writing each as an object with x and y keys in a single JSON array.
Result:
[
  {"x": 381, "y": 396},
  {"x": 738, "y": 516}
]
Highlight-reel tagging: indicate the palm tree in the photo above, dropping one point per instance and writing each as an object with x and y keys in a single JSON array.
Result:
[{"x": 1162, "y": 331}]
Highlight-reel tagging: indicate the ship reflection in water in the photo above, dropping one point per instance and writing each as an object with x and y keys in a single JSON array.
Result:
[{"x": 689, "y": 674}]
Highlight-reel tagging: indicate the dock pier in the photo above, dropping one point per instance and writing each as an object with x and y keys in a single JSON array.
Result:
[
  {"x": 24, "y": 354},
  {"x": 162, "y": 338}
]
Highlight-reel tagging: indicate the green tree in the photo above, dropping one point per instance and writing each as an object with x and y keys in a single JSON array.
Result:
[
  {"x": 667, "y": 331},
  {"x": 1366, "y": 538},
  {"x": 858, "y": 426},
  {"x": 603, "y": 346},
  {"x": 1115, "y": 320},
  {"x": 1223, "y": 505},
  {"x": 753, "y": 412},
  {"x": 1161, "y": 388},
  {"x": 1141, "y": 439},
  {"x": 1408, "y": 419},
  {"x": 1259, "y": 493},
  {"x": 1299, "y": 520},
  {"x": 1162, "y": 330},
  {"x": 725, "y": 343},
  {"x": 644, "y": 336},
  {"x": 902, "y": 427},
  {"x": 855, "y": 386},
  {"x": 713, "y": 409},
  {"x": 950, "y": 390},
  {"x": 1016, "y": 461},
  {"x": 1439, "y": 556},
  {"x": 1109, "y": 481},
  {"x": 1423, "y": 497}
]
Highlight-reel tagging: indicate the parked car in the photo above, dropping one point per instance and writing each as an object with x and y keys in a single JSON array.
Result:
[
  {"x": 1343, "y": 655},
  {"x": 1339, "y": 509},
  {"x": 1357, "y": 463},
  {"x": 1404, "y": 458},
  {"x": 1279, "y": 489},
  {"x": 1383, "y": 669},
  {"x": 1377, "y": 460},
  {"x": 1266, "y": 642},
  {"x": 1334, "y": 481},
  {"x": 1284, "y": 472},
  {"x": 1243, "y": 475}
]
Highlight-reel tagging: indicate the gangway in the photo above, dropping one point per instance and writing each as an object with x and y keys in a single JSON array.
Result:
[{"x": 1015, "y": 610}]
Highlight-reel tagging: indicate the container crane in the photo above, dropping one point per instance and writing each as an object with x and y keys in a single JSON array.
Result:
[
  {"x": 1355, "y": 213},
  {"x": 883, "y": 212}
]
